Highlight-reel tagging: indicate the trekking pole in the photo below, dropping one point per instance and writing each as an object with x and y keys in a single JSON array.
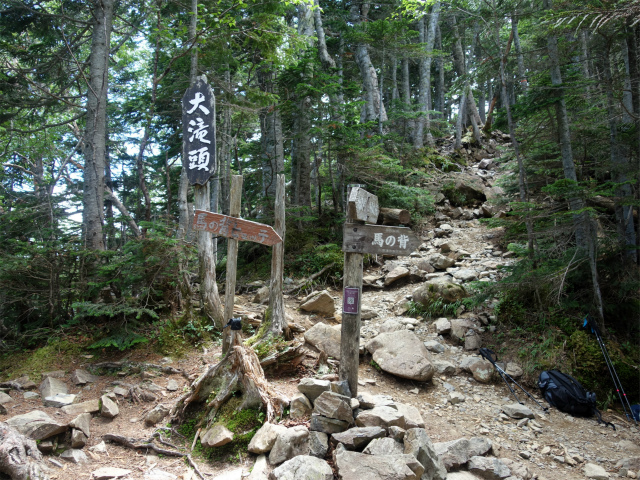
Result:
[
  {"x": 589, "y": 321},
  {"x": 491, "y": 357}
]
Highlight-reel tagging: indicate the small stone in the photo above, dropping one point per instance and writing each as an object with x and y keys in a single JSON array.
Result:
[
  {"x": 59, "y": 400},
  {"x": 525, "y": 454},
  {"x": 30, "y": 395},
  {"x": 156, "y": 415},
  {"x": 99, "y": 448},
  {"x": 78, "y": 438},
  {"x": 312, "y": 387},
  {"x": 300, "y": 406},
  {"x": 320, "y": 423},
  {"x": 456, "y": 398},
  {"x": 596, "y": 472},
  {"x": 515, "y": 410},
  {"x": 90, "y": 406},
  {"x": 304, "y": 467},
  {"x": 82, "y": 423},
  {"x": 216, "y": 436},
  {"x": 51, "y": 386},
  {"x": 358, "y": 437},
  {"x": 109, "y": 408},
  {"x": 333, "y": 405},
  {"x": 54, "y": 374},
  {"x": 82, "y": 377},
  {"x": 74, "y": 456},
  {"x": 397, "y": 433},
  {"x": 265, "y": 438},
  {"x": 4, "y": 398},
  {"x": 384, "y": 446},
  {"x": 290, "y": 443},
  {"x": 172, "y": 385},
  {"x": 46, "y": 446},
  {"x": 318, "y": 444},
  {"x": 123, "y": 392},
  {"x": 105, "y": 473}
]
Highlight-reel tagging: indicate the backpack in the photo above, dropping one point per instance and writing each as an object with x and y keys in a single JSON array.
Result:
[{"x": 566, "y": 394}]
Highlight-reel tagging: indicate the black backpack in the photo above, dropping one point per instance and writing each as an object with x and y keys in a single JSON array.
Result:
[{"x": 566, "y": 394}]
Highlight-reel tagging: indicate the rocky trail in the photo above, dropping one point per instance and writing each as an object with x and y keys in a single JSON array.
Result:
[{"x": 428, "y": 407}]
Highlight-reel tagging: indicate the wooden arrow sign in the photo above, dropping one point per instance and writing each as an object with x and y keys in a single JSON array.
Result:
[
  {"x": 236, "y": 228},
  {"x": 380, "y": 240}
]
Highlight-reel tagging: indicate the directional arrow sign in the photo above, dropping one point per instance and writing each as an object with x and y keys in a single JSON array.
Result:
[
  {"x": 380, "y": 240},
  {"x": 237, "y": 228}
]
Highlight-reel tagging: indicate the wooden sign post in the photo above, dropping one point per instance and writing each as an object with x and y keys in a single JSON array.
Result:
[
  {"x": 235, "y": 229},
  {"x": 360, "y": 239}
]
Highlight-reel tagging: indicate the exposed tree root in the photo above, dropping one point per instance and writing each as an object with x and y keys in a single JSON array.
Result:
[
  {"x": 239, "y": 371},
  {"x": 143, "y": 366},
  {"x": 19, "y": 456}
]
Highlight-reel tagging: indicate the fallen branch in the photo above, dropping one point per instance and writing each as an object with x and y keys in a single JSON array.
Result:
[
  {"x": 311, "y": 278},
  {"x": 195, "y": 467},
  {"x": 141, "y": 445}
]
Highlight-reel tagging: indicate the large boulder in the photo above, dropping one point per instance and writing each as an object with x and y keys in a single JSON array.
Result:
[
  {"x": 359, "y": 466},
  {"x": 265, "y": 438},
  {"x": 358, "y": 437},
  {"x": 37, "y": 425},
  {"x": 431, "y": 291},
  {"x": 304, "y": 467},
  {"x": 289, "y": 444},
  {"x": 320, "y": 302},
  {"x": 418, "y": 444},
  {"x": 403, "y": 354},
  {"x": 325, "y": 338}
]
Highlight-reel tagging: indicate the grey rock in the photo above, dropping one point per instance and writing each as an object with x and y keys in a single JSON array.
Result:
[
  {"x": 51, "y": 386},
  {"x": 53, "y": 374},
  {"x": 341, "y": 387},
  {"x": 59, "y": 400},
  {"x": 384, "y": 417},
  {"x": 479, "y": 446},
  {"x": 216, "y": 436},
  {"x": 37, "y": 425},
  {"x": 395, "y": 275},
  {"x": 454, "y": 454},
  {"x": 105, "y": 473},
  {"x": 488, "y": 468},
  {"x": 472, "y": 341},
  {"x": 30, "y": 395},
  {"x": 402, "y": 353},
  {"x": 75, "y": 456},
  {"x": 358, "y": 437},
  {"x": 514, "y": 370},
  {"x": 99, "y": 448},
  {"x": 156, "y": 414},
  {"x": 157, "y": 474},
  {"x": 591, "y": 470},
  {"x": 313, "y": 387},
  {"x": 465, "y": 275},
  {"x": 304, "y": 467},
  {"x": 320, "y": 423},
  {"x": 460, "y": 327},
  {"x": 397, "y": 433},
  {"x": 82, "y": 422},
  {"x": 78, "y": 438},
  {"x": 123, "y": 392},
  {"x": 435, "y": 289},
  {"x": 300, "y": 406},
  {"x": 443, "y": 367},
  {"x": 109, "y": 408},
  {"x": 390, "y": 325},
  {"x": 173, "y": 385},
  {"x": 289, "y": 444},
  {"x": 321, "y": 302},
  {"x": 440, "y": 262},
  {"x": 265, "y": 438},
  {"x": 433, "y": 346},
  {"x": 468, "y": 361},
  {"x": 324, "y": 338},
  {"x": 4, "y": 398},
  {"x": 411, "y": 414},
  {"x": 90, "y": 406},
  {"x": 418, "y": 444},
  {"x": 442, "y": 326},
  {"x": 82, "y": 377},
  {"x": 260, "y": 470},
  {"x": 482, "y": 371},
  {"x": 45, "y": 446},
  {"x": 368, "y": 400},
  {"x": 515, "y": 410},
  {"x": 384, "y": 446},
  {"x": 358, "y": 466},
  {"x": 334, "y": 405},
  {"x": 318, "y": 444},
  {"x": 462, "y": 476},
  {"x": 455, "y": 398},
  {"x": 261, "y": 296}
]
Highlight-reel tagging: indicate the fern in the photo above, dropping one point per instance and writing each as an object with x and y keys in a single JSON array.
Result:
[{"x": 120, "y": 339}]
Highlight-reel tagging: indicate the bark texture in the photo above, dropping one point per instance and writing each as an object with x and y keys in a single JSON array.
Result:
[{"x": 19, "y": 456}]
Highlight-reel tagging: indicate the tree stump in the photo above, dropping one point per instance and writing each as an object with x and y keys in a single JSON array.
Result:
[
  {"x": 394, "y": 217},
  {"x": 19, "y": 456}
]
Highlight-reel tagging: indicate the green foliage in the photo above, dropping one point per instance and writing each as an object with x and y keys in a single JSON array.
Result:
[
  {"x": 120, "y": 339},
  {"x": 436, "y": 308},
  {"x": 269, "y": 345}
]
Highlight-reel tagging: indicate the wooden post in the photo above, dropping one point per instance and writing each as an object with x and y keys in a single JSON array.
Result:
[
  {"x": 276, "y": 297},
  {"x": 350, "y": 336},
  {"x": 235, "y": 195}
]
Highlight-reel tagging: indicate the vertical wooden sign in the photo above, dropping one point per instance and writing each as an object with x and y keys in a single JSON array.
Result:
[{"x": 199, "y": 132}]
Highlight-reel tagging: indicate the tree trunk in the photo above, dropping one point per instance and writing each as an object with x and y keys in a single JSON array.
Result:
[
  {"x": 439, "y": 103},
  {"x": 276, "y": 299},
  {"x": 96, "y": 126},
  {"x": 522, "y": 76},
  {"x": 271, "y": 141},
  {"x": 19, "y": 456},
  {"x": 620, "y": 162},
  {"x": 427, "y": 37},
  {"x": 373, "y": 110},
  {"x": 564, "y": 134}
]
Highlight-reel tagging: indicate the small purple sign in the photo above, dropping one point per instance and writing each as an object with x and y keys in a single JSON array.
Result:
[{"x": 351, "y": 300}]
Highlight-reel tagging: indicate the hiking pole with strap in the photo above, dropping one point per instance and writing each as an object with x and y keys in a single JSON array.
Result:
[
  {"x": 491, "y": 357},
  {"x": 590, "y": 322}
]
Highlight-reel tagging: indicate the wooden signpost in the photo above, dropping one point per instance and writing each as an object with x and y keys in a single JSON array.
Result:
[
  {"x": 235, "y": 229},
  {"x": 360, "y": 239},
  {"x": 199, "y": 132}
]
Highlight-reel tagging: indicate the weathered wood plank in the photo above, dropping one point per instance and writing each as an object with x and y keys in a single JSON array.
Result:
[
  {"x": 232, "y": 338},
  {"x": 236, "y": 228},
  {"x": 394, "y": 216},
  {"x": 378, "y": 239},
  {"x": 363, "y": 206}
]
